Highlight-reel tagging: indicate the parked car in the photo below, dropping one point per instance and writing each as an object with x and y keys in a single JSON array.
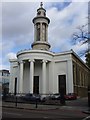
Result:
[
  {"x": 43, "y": 98},
  {"x": 55, "y": 96},
  {"x": 70, "y": 96},
  {"x": 1, "y": 95},
  {"x": 31, "y": 97}
]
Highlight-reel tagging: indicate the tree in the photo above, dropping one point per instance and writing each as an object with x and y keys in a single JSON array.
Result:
[{"x": 82, "y": 36}]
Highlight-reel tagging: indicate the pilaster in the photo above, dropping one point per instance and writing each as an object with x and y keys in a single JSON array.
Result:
[
  {"x": 21, "y": 77},
  {"x": 69, "y": 76},
  {"x": 44, "y": 76},
  {"x": 31, "y": 75}
]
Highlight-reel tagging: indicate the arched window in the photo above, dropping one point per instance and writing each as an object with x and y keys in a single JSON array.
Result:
[
  {"x": 44, "y": 32},
  {"x": 38, "y": 32}
]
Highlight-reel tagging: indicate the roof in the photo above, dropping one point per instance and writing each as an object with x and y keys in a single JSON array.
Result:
[{"x": 5, "y": 71}]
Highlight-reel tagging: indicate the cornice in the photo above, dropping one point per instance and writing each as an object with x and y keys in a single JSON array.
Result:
[{"x": 35, "y": 51}]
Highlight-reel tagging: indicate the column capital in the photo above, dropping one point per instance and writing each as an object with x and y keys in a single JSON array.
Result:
[
  {"x": 31, "y": 60},
  {"x": 44, "y": 61},
  {"x": 21, "y": 62}
]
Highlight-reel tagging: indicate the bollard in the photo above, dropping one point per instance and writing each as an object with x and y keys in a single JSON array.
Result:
[
  {"x": 62, "y": 98},
  {"x": 16, "y": 102},
  {"x": 36, "y": 103}
]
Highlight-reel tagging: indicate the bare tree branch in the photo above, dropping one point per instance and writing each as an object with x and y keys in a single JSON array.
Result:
[{"x": 82, "y": 36}]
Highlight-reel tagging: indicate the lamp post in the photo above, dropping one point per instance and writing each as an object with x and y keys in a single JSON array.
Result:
[{"x": 15, "y": 91}]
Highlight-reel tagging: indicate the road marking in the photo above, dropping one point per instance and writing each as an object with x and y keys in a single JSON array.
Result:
[
  {"x": 12, "y": 113},
  {"x": 87, "y": 118},
  {"x": 45, "y": 117}
]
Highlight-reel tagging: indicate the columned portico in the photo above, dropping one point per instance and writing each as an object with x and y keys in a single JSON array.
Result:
[
  {"x": 31, "y": 76},
  {"x": 21, "y": 77}
]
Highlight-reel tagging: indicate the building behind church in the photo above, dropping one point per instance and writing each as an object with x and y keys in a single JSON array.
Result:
[
  {"x": 41, "y": 71},
  {"x": 4, "y": 80}
]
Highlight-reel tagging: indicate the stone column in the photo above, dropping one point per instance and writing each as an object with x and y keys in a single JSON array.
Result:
[
  {"x": 11, "y": 86},
  {"x": 31, "y": 75},
  {"x": 18, "y": 77},
  {"x": 44, "y": 76},
  {"x": 41, "y": 30},
  {"x": 35, "y": 32},
  {"x": 46, "y": 32},
  {"x": 21, "y": 78}
]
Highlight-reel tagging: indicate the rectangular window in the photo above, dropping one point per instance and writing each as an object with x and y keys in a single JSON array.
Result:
[
  {"x": 15, "y": 87},
  {"x": 38, "y": 32}
]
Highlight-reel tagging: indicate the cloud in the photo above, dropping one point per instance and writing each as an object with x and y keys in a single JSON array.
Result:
[
  {"x": 0, "y": 45},
  {"x": 46, "y": 0},
  {"x": 16, "y": 18},
  {"x": 4, "y": 63},
  {"x": 57, "y": 5},
  {"x": 11, "y": 55},
  {"x": 3, "y": 66},
  {"x": 64, "y": 23},
  {"x": 35, "y": 0},
  {"x": 79, "y": 48}
]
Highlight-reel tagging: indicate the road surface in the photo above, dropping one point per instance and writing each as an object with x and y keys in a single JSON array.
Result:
[{"x": 58, "y": 114}]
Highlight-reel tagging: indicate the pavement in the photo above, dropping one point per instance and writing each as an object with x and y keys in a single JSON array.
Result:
[
  {"x": 70, "y": 105},
  {"x": 29, "y": 106}
]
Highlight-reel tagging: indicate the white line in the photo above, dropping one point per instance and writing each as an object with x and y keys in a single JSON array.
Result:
[
  {"x": 12, "y": 113},
  {"x": 87, "y": 118},
  {"x": 45, "y": 117}
]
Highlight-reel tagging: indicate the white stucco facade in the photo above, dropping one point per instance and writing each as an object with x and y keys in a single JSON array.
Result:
[{"x": 47, "y": 65}]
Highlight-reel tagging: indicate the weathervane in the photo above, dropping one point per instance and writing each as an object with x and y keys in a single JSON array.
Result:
[{"x": 41, "y": 4}]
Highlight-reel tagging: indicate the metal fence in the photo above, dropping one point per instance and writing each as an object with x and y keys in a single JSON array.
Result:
[{"x": 37, "y": 99}]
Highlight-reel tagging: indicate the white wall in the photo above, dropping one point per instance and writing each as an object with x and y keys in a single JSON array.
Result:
[
  {"x": 60, "y": 69},
  {"x": 70, "y": 88},
  {"x": 57, "y": 64},
  {"x": 38, "y": 72},
  {"x": 26, "y": 78},
  {"x": 13, "y": 75},
  {"x": 63, "y": 65},
  {"x": 52, "y": 79}
]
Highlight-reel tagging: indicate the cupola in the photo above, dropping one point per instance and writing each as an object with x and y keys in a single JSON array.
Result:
[{"x": 41, "y": 23}]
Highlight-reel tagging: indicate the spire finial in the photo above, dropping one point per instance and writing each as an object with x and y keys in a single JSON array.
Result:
[{"x": 41, "y": 4}]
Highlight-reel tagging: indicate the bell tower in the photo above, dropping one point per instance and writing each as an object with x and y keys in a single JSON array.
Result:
[{"x": 41, "y": 23}]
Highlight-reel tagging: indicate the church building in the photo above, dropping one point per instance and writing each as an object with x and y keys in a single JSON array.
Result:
[{"x": 41, "y": 71}]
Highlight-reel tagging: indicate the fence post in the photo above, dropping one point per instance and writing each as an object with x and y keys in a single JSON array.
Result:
[
  {"x": 16, "y": 101},
  {"x": 36, "y": 103}
]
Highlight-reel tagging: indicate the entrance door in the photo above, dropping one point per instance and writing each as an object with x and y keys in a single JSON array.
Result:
[
  {"x": 62, "y": 83},
  {"x": 36, "y": 85},
  {"x": 15, "y": 87}
]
